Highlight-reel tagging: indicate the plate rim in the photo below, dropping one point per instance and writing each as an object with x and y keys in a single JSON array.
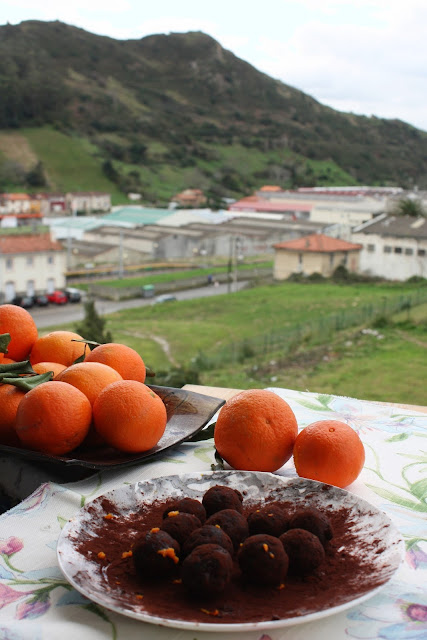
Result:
[{"x": 235, "y": 626}]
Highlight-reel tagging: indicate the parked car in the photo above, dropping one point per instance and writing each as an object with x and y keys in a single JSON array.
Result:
[
  {"x": 73, "y": 295},
  {"x": 41, "y": 300},
  {"x": 23, "y": 301},
  {"x": 166, "y": 297},
  {"x": 57, "y": 297}
]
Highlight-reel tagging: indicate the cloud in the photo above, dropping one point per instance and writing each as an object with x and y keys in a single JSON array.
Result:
[{"x": 371, "y": 69}]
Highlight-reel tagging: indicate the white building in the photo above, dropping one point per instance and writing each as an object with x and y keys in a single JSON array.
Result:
[
  {"x": 88, "y": 201},
  {"x": 30, "y": 264},
  {"x": 394, "y": 247}
]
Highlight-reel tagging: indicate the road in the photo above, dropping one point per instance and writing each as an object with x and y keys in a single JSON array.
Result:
[{"x": 74, "y": 312}]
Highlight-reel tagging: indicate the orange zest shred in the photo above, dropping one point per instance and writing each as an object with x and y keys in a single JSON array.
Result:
[
  {"x": 217, "y": 526},
  {"x": 281, "y": 586},
  {"x": 177, "y": 581},
  {"x": 126, "y": 554},
  {"x": 139, "y": 596},
  {"x": 171, "y": 514},
  {"x": 169, "y": 552},
  {"x": 265, "y": 547},
  {"x": 108, "y": 516},
  {"x": 101, "y": 555},
  {"x": 155, "y": 530},
  {"x": 271, "y": 555},
  {"x": 214, "y": 612}
]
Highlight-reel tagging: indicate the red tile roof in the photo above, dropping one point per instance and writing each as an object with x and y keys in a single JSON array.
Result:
[
  {"x": 28, "y": 243},
  {"x": 318, "y": 243}
]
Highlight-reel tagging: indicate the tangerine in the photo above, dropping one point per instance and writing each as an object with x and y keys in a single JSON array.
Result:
[
  {"x": 122, "y": 358},
  {"x": 129, "y": 416},
  {"x": 19, "y": 323},
  {"x": 53, "y": 418},
  {"x": 44, "y": 367},
  {"x": 89, "y": 377},
  {"x": 255, "y": 431},
  {"x": 58, "y": 346},
  {"x": 329, "y": 451},
  {"x": 10, "y": 397}
]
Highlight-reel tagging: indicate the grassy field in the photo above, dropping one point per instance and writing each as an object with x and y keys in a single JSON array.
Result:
[{"x": 389, "y": 365}]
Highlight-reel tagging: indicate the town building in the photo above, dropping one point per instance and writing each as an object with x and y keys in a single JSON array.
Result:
[
  {"x": 190, "y": 198},
  {"x": 314, "y": 253},
  {"x": 394, "y": 247},
  {"x": 88, "y": 202},
  {"x": 30, "y": 264}
]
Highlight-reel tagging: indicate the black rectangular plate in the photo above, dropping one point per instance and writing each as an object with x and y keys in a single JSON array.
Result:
[{"x": 188, "y": 412}]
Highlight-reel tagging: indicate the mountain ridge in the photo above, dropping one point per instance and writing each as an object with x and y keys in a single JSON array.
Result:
[{"x": 182, "y": 103}]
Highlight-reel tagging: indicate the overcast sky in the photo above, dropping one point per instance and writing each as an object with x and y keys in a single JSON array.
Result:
[{"x": 362, "y": 56}]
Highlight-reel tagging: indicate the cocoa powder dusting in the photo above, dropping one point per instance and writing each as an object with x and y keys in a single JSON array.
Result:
[{"x": 342, "y": 576}]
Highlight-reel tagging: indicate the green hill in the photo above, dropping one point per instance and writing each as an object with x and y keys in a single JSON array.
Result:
[{"x": 167, "y": 112}]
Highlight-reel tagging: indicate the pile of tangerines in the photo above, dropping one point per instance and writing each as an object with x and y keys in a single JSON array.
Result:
[
  {"x": 55, "y": 394},
  {"x": 51, "y": 403}
]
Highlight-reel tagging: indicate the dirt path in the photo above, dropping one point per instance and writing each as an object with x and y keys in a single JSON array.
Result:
[
  {"x": 163, "y": 344},
  {"x": 408, "y": 338}
]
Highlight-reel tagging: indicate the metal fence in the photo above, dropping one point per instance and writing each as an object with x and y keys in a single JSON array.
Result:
[{"x": 315, "y": 331}]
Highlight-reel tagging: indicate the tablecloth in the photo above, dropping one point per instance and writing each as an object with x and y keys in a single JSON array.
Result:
[{"x": 37, "y": 603}]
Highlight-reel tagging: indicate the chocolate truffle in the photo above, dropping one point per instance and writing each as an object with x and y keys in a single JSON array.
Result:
[
  {"x": 218, "y": 498},
  {"x": 207, "y": 570},
  {"x": 270, "y": 519},
  {"x": 180, "y": 525},
  {"x": 313, "y": 520},
  {"x": 208, "y": 534},
  {"x": 188, "y": 505},
  {"x": 304, "y": 549},
  {"x": 233, "y": 523},
  {"x": 156, "y": 554},
  {"x": 263, "y": 560}
]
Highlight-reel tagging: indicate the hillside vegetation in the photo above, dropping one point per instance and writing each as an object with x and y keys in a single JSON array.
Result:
[
  {"x": 167, "y": 112},
  {"x": 189, "y": 341}
]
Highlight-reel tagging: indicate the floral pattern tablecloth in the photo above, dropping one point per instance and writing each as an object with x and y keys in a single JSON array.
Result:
[{"x": 37, "y": 603}]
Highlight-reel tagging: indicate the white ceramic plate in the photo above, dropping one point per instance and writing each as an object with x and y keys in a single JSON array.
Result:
[{"x": 373, "y": 534}]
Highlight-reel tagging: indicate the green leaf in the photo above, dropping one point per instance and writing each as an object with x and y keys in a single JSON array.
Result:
[
  {"x": 422, "y": 459},
  {"x": 324, "y": 400},
  {"x": 97, "y": 610},
  {"x": 17, "y": 368},
  {"x": 29, "y": 382},
  {"x": 204, "y": 434},
  {"x": 62, "y": 521},
  {"x": 394, "y": 497},
  {"x": 4, "y": 342},
  {"x": 398, "y": 437},
  {"x": 419, "y": 489},
  {"x": 149, "y": 372},
  {"x": 220, "y": 463},
  {"x": 313, "y": 407}
]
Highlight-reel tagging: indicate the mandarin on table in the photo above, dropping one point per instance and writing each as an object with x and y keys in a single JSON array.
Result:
[
  {"x": 120, "y": 357},
  {"x": 44, "y": 367},
  {"x": 10, "y": 397},
  {"x": 329, "y": 451},
  {"x": 53, "y": 418},
  {"x": 129, "y": 416},
  {"x": 58, "y": 346},
  {"x": 255, "y": 431},
  {"x": 89, "y": 377},
  {"x": 22, "y": 328}
]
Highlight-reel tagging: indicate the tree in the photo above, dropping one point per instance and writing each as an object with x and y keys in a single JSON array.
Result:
[
  {"x": 409, "y": 207},
  {"x": 36, "y": 177},
  {"x": 92, "y": 326}
]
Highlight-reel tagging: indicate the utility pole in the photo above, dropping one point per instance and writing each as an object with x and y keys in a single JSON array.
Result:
[{"x": 230, "y": 264}]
